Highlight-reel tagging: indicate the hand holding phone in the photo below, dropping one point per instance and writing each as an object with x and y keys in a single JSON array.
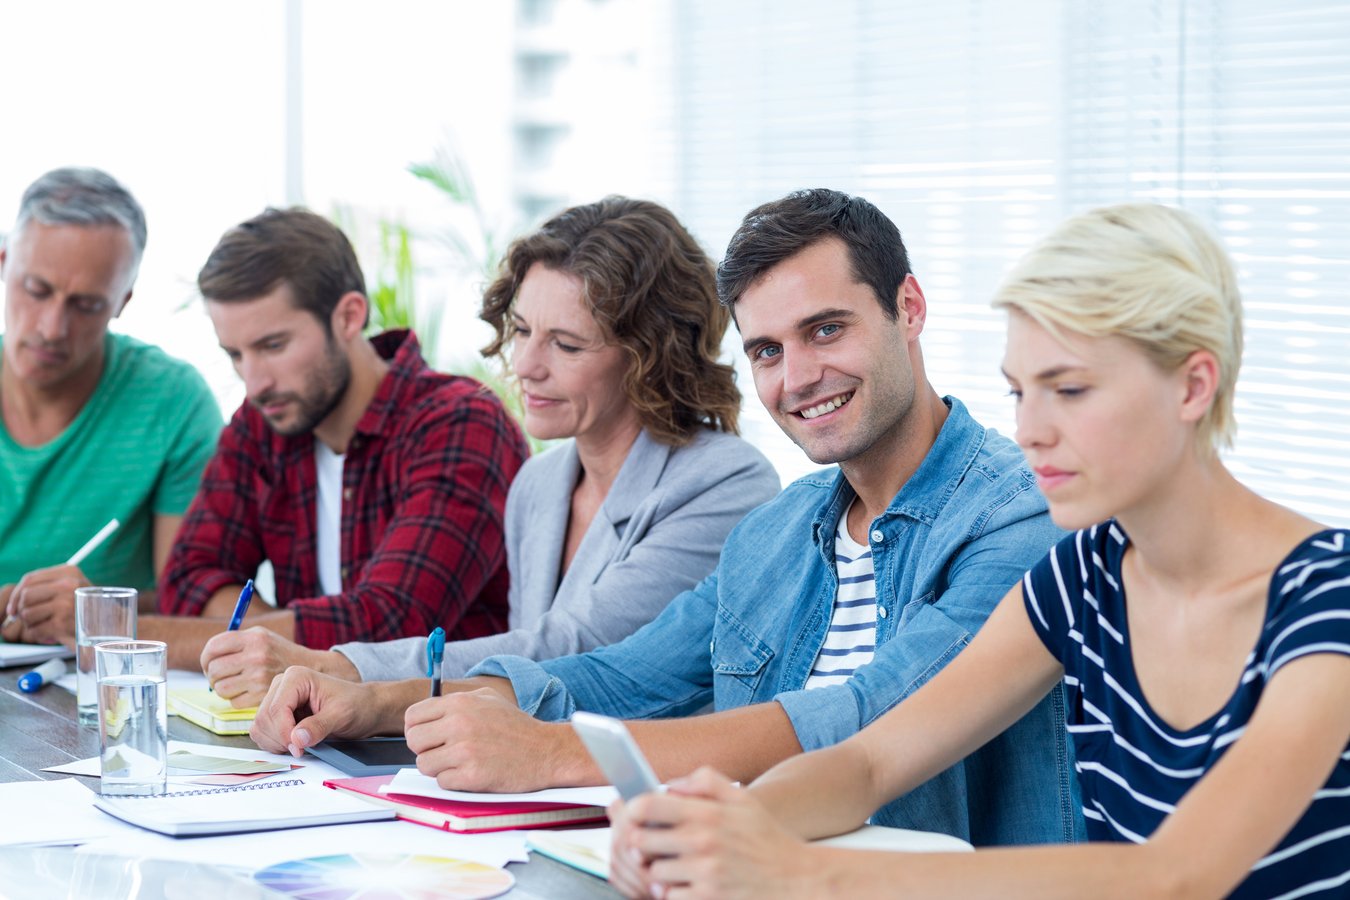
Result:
[{"x": 616, "y": 753}]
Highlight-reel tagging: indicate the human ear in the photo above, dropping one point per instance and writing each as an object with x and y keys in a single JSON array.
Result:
[
  {"x": 913, "y": 307},
  {"x": 349, "y": 315},
  {"x": 1199, "y": 375}
]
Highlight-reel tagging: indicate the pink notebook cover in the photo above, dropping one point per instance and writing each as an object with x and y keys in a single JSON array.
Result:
[{"x": 467, "y": 817}]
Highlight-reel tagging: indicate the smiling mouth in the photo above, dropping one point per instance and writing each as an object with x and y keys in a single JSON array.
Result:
[{"x": 828, "y": 406}]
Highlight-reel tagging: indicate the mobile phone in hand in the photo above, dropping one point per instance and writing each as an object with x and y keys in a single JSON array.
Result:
[{"x": 616, "y": 753}]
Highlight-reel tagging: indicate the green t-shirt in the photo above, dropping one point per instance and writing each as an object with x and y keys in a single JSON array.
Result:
[{"x": 135, "y": 450}]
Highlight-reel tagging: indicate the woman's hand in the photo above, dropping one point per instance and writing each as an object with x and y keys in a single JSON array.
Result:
[{"x": 705, "y": 837}]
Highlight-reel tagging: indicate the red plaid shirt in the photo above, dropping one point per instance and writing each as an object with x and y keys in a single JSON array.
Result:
[{"x": 424, "y": 495}]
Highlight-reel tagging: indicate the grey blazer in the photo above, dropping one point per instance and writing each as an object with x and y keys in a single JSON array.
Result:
[{"x": 658, "y": 533}]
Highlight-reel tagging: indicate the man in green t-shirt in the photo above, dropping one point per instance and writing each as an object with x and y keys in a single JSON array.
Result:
[{"x": 94, "y": 426}]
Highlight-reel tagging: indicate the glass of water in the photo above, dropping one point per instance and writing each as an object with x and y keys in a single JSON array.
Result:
[
  {"x": 101, "y": 614},
  {"x": 133, "y": 724}
]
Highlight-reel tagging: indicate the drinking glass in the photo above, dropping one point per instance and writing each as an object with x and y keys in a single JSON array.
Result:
[
  {"x": 101, "y": 614},
  {"x": 133, "y": 723}
]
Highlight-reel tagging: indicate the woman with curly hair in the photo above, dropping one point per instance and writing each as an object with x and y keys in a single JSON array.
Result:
[{"x": 608, "y": 320}]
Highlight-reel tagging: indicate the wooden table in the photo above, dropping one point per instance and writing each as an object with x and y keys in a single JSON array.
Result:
[{"x": 39, "y": 730}]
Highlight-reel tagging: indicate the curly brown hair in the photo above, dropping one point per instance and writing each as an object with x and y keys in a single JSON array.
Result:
[{"x": 652, "y": 291}]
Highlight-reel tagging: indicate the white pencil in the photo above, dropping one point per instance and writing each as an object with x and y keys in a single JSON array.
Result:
[{"x": 92, "y": 544}]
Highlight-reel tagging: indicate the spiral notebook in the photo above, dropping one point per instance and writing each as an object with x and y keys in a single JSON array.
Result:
[{"x": 260, "y": 806}]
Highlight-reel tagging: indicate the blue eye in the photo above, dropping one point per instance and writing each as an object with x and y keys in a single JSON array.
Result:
[
  {"x": 828, "y": 329},
  {"x": 768, "y": 351}
]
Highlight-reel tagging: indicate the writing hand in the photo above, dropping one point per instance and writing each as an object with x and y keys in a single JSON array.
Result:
[
  {"x": 11, "y": 626},
  {"x": 44, "y": 603},
  {"x": 478, "y": 741},
  {"x": 242, "y": 664}
]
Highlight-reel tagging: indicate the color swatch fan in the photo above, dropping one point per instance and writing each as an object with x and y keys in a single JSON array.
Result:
[{"x": 367, "y": 876}]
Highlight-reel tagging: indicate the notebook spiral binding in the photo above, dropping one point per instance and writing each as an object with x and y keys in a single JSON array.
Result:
[{"x": 252, "y": 786}]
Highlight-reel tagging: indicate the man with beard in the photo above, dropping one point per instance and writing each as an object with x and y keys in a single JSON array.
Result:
[
  {"x": 93, "y": 425},
  {"x": 829, "y": 604},
  {"x": 374, "y": 486}
]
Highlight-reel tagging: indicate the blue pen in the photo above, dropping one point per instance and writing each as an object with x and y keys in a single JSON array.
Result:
[
  {"x": 435, "y": 659},
  {"x": 241, "y": 607},
  {"x": 49, "y": 671}
]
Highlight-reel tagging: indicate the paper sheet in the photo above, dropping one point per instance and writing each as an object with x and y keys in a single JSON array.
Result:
[
  {"x": 410, "y": 781},
  {"x": 314, "y": 770},
  {"x": 213, "y": 764},
  {"x": 587, "y": 849},
  {"x": 180, "y": 679},
  {"x": 30, "y": 654},
  {"x": 262, "y": 849},
  {"x": 53, "y": 813}
]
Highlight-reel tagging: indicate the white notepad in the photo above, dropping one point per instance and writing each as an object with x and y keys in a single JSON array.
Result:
[
  {"x": 259, "y": 806},
  {"x": 31, "y": 654}
]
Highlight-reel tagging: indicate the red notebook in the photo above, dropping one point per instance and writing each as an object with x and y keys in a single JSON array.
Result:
[{"x": 464, "y": 816}]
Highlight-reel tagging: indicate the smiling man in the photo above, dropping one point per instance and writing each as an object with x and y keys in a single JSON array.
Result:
[
  {"x": 95, "y": 425},
  {"x": 829, "y": 604},
  {"x": 375, "y": 486}
]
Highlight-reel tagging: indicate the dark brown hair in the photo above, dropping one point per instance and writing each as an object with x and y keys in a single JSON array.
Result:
[
  {"x": 295, "y": 246},
  {"x": 651, "y": 289},
  {"x": 774, "y": 231}
]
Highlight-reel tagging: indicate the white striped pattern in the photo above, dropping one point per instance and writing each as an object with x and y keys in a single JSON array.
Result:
[
  {"x": 1134, "y": 767},
  {"x": 851, "y": 640}
]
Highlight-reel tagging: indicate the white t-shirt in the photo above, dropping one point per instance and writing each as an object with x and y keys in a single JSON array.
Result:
[
  {"x": 851, "y": 640},
  {"x": 328, "y": 517}
]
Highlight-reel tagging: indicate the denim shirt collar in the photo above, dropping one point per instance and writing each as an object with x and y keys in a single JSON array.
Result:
[{"x": 924, "y": 495}]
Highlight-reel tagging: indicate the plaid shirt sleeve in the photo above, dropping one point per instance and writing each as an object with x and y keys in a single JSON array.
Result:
[
  {"x": 220, "y": 541},
  {"x": 437, "y": 557}
]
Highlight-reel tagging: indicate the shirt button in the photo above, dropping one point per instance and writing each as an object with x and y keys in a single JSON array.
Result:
[
  {"x": 881, "y": 611},
  {"x": 344, "y": 573},
  {"x": 712, "y": 645},
  {"x": 878, "y": 536},
  {"x": 346, "y": 493}
]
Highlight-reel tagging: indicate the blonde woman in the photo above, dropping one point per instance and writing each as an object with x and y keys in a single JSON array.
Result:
[{"x": 1202, "y": 632}]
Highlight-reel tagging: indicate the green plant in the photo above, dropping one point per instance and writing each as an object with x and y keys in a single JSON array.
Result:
[
  {"x": 478, "y": 247},
  {"x": 392, "y": 279}
]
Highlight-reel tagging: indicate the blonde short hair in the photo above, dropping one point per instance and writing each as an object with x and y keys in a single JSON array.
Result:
[{"x": 1149, "y": 273}]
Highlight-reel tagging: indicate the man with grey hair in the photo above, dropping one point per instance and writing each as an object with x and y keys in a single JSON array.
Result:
[{"x": 93, "y": 425}]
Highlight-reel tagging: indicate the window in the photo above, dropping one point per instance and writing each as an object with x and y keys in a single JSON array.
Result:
[{"x": 978, "y": 126}]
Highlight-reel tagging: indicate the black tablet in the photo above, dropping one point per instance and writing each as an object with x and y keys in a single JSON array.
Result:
[{"x": 373, "y": 756}]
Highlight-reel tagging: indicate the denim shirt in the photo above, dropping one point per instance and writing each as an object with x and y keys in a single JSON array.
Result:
[{"x": 955, "y": 539}]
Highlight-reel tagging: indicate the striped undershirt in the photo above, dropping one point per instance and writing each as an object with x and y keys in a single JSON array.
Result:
[
  {"x": 1132, "y": 765},
  {"x": 851, "y": 640}
]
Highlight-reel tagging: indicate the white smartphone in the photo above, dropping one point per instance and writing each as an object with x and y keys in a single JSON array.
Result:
[{"x": 616, "y": 753}]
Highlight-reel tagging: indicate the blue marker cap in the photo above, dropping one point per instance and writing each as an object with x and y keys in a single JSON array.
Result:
[
  {"x": 52, "y": 669},
  {"x": 435, "y": 650}
]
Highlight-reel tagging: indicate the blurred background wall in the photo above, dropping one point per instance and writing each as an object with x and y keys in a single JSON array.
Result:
[{"x": 434, "y": 131}]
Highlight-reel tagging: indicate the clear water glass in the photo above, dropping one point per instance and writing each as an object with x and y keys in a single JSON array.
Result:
[
  {"x": 101, "y": 614},
  {"x": 133, "y": 723}
]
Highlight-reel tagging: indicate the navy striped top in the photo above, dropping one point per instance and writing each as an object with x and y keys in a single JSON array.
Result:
[
  {"x": 1133, "y": 767},
  {"x": 850, "y": 642}
]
